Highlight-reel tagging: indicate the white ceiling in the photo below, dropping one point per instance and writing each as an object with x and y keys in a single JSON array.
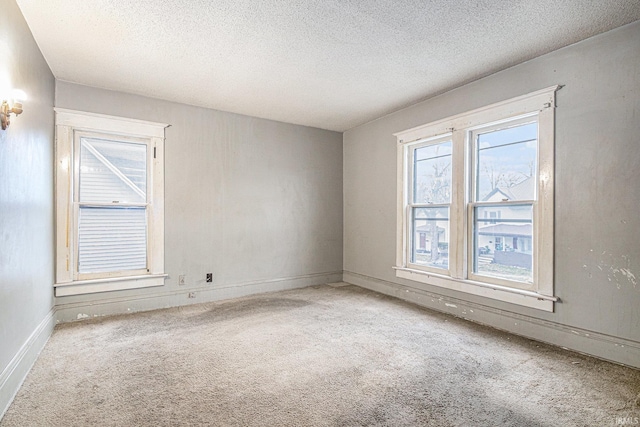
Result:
[{"x": 332, "y": 64}]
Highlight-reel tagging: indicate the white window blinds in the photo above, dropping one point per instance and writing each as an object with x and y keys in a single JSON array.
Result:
[{"x": 112, "y": 239}]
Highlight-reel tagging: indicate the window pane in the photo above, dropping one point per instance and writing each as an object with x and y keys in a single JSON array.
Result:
[
  {"x": 504, "y": 242},
  {"x": 506, "y": 163},
  {"x": 430, "y": 244},
  {"x": 112, "y": 239},
  {"x": 432, "y": 173},
  {"x": 112, "y": 171}
]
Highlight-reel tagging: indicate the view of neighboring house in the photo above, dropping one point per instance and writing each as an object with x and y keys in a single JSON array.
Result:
[
  {"x": 504, "y": 234},
  {"x": 503, "y": 237},
  {"x": 433, "y": 252},
  {"x": 497, "y": 240}
]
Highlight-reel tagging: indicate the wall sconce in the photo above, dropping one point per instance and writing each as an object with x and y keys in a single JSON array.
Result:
[{"x": 16, "y": 108}]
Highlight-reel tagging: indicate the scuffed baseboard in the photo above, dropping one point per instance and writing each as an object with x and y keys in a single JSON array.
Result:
[
  {"x": 614, "y": 349},
  {"x": 14, "y": 374},
  {"x": 159, "y": 299}
]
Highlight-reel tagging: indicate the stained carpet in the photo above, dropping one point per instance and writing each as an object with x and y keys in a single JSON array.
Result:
[{"x": 319, "y": 356}]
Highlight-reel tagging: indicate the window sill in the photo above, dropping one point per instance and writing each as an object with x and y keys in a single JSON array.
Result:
[
  {"x": 81, "y": 287},
  {"x": 511, "y": 295}
]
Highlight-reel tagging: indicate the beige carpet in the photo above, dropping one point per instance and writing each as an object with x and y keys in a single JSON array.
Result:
[{"x": 321, "y": 356}]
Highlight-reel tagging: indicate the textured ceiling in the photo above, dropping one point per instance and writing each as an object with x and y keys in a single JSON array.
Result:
[{"x": 332, "y": 64}]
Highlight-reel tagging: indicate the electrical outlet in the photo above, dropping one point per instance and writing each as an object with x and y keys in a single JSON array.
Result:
[
  {"x": 209, "y": 277},
  {"x": 181, "y": 280},
  {"x": 192, "y": 294}
]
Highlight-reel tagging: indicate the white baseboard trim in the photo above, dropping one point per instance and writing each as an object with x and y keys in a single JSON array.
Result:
[
  {"x": 14, "y": 374},
  {"x": 178, "y": 297},
  {"x": 602, "y": 346}
]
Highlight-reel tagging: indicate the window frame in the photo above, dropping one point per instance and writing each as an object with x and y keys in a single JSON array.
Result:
[
  {"x": 77, "y": 204},
  {"x": 411, "y": 205},
  {"x": 70, "y": 127},
  {"x": 473, "y": 202},
  {"x": 460, "y": 276}
]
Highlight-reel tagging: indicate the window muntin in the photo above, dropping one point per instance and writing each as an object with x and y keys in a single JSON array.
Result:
[{"x": 430, "y": 201}]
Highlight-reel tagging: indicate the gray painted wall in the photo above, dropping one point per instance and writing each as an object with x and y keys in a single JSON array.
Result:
[
  {"x": 256, "y": 202},
  {"x": 597, "y": 191},
  {"x": 26, "y": 201}
]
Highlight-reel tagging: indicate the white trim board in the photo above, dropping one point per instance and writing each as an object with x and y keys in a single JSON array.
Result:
[
  {"x": 68, "y": 312},
  {"x": 80, "y": 287},
  {"x": 81, "y": 120},
  {"x": 14, "y": 374},
  {"x": 595, "y": 344}
]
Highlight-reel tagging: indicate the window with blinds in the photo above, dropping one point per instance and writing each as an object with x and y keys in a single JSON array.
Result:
[
  {"x": 109, "y": 203},
  {"x": 112, "y": 202}
]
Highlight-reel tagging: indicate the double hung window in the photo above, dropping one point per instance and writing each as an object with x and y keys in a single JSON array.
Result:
[
  {"x": 109, "y": 203},
  {"x": 475, "y": 201},
  {"x": 429, "y": 205}
]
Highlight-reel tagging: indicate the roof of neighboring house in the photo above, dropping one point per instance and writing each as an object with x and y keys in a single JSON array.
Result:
[
  {"x": 515, "y": 230},
  {"x": 427, "y": 229},
  {"x": 521, "y": 191}
]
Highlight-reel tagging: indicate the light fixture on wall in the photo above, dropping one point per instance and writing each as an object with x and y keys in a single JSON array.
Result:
[{"x": 14, "y": 107}]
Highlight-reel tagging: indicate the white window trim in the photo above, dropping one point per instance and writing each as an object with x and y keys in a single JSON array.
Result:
[
  {"x": 540, "y": 103},
  {"x": 68, "y": 123}
]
